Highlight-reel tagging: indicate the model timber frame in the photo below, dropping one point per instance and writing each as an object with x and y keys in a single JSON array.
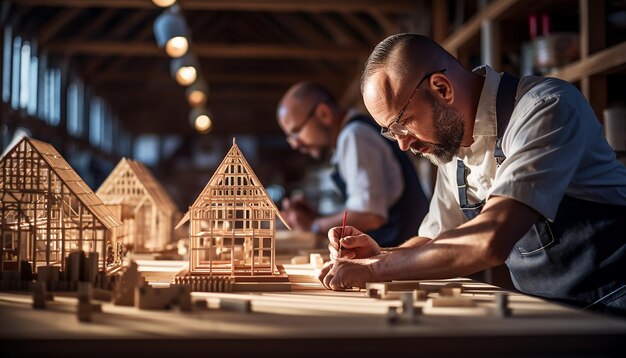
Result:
[
  {"x": 147, "y": 211},
  {"x": 232, "y": 224},
  {"x": 48, "y": 211}
]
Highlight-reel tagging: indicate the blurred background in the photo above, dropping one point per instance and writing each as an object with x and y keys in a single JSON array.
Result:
[{"x": 170, "y": 83}]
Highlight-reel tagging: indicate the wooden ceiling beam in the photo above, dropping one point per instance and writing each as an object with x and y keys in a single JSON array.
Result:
[
  {"x": 273, "y": 51},
  {"x": 134, "y": 77},
  {"x": 96, "y": 24},
  {"x": 396, "y": 6},
  {"x": 123, "y": 27},
  {"x": 338, "y": 34},
  {"x": 366, "y": 30},
  {"x": 56, "y": 24}
]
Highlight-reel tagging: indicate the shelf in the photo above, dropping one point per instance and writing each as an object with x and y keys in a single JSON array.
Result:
[
  {"x": 472, "y": 27},
  {"x": 599, "y": 62}
]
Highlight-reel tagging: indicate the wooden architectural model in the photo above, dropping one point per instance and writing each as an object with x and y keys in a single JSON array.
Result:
[
  {"x": 147, "y": 212},
  {"x": 48, "y": 212},
  {"x": 232, "y": 228}
]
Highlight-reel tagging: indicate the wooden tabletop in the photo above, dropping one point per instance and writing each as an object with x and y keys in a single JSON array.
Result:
[{"x": 310, "y": 320}]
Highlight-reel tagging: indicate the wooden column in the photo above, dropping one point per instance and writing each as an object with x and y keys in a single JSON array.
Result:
[
  {"x": 593, "y": 39},
  {"x": 440, "y": 20}
]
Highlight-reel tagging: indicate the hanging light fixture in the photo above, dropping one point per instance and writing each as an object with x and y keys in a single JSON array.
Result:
[
  {"x": 200, "y": 119},
  {"x": 170, "y": 31},
  {"x": 184, "y": 69},
  {"x": 163, "y": 3},
  {"x": 197, "y": 93}
]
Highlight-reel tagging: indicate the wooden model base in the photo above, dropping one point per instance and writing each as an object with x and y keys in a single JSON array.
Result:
[{"x": 215, "y": 283}]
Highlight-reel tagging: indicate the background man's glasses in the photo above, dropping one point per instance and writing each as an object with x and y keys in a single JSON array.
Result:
[
  {"x": 397, "y": 129},
  {"x": 293, "y": 137}
]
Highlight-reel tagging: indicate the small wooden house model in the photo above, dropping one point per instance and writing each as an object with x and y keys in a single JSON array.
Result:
[
  {"x": 48, "y": 211},
  {"x": 232, "y": 225},
  {"x": 147, "y": 212}
]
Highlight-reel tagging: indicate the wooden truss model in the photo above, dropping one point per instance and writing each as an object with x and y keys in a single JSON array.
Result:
[
  {"x": 232, "y": 227},
  {"x": 148, "y": 213},
  {"x": 48, "y": 211}
]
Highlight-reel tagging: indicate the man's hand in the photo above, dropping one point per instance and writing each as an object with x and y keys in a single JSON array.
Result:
[
  {"x": 298, "y": 214},
  {"x": 355, "y": 244},
  {"x": 342, "y": 274}
]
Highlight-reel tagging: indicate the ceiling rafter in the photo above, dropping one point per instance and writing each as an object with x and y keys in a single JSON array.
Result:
[
  {"x": 338, "y": 34},
  {"x": 122, "y": 30},
  {"x": 361, "y": 27},
  {"x": 297, "y": 26},
  {"x": 117, "y": 77},
  {"x": 207, "y": 50},
  {"x": 305, "y": 32},
  {"x": 96, "y": 24},
  {"x": 396, "y": 6},
  {"x": 56, "y": 24},
  {"x": 129, "y": 22}
]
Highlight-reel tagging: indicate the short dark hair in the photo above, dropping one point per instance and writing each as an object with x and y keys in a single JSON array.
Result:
[
  {"x": 404, "y": 53},
  {"x": 380, "y": 55},
  {"x": 309, "y": 89}
]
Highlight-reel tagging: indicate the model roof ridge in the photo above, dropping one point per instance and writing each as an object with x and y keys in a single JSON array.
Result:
[
  {"x": 236, "y": 154},
  {"x": 145, "y": 179}
]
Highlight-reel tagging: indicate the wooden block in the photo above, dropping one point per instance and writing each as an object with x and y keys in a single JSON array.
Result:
[
  {"x": 39, "y": 296},
  {"x": 450, "y": 301},
  {"x": 420, "y": 295},
  {"x": 502, "y": 309},
  {"x": 201, "y": 305},
  {"x": 316, "y": 260},
  {"x": 261, "y": 287},
  {"x": 408, "y": 309},
  {"x": 244, "y": 306},
  {"x": 392, "y": 315},
  {"x": 385, "y": 287},
  {"x": 373, "y": 293},
  {"x": 102, "y": 294},
  {"x": 299, "y": 260},
  {"x": 450, "y": 291}
]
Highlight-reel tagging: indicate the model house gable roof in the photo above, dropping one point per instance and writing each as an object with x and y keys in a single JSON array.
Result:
[
  {"x": 234, "y": 180},
  {"x": 131, "y": 174},
  {"x": 59, "y": 166}
]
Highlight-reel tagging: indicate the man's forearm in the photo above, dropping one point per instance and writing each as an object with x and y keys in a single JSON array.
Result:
[{"x": 478, "y": 244}]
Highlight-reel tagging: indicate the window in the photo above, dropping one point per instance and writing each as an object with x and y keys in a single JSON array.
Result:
[
  {"x": 6, "y": 65},
  {"x": 51, "y": 111},
  {"x": 147, "y": 149},
  {"x": 95, "y": 122},
  {"x": 75, "y": 109},
  {"x": 15, "y": 73},
  {"x": 24, "y": 74},
  {"x": 31, "y": 107}
]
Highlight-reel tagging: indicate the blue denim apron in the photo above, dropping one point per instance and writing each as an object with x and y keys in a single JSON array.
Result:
[
  {"x": 405, "y": 216},
  {"x": 580, "y": 258}
]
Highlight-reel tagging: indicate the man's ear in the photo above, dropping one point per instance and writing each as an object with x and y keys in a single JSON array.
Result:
[
  {"x": 324, "y": 113},
  {"x": 441, "y": 85}
]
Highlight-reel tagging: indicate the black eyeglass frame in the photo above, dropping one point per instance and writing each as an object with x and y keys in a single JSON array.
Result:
[
  {"x": 293, "y": 137},
  {"x": 396, "y": 128}
]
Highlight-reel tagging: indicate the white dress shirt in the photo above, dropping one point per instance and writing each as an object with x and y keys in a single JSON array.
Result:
[
  {"x": 554, "y": 146},
  {"x": 367, "y": 164}
]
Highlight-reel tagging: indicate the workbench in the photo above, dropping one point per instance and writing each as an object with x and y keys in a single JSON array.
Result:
[{"x": 308, "y": 320}]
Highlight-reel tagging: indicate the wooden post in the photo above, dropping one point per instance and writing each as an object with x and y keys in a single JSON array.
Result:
[
  {"x": 593, "y": 39},
  {"x": 48, "y": 215}
]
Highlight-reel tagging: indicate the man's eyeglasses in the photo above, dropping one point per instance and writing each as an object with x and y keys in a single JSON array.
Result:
[
  {"x": 396, "y": 128},
  {"x": 293, "y": 137}
]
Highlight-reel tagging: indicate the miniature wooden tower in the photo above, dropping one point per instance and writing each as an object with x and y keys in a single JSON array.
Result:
[
  {"x": 232, "y": 227},
  {"x": 148, "y": 213},
  {"x": 48, "y": 211}
]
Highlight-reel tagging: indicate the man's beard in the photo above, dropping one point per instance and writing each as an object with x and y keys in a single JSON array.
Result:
[{"x": 448, "y": 124}]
